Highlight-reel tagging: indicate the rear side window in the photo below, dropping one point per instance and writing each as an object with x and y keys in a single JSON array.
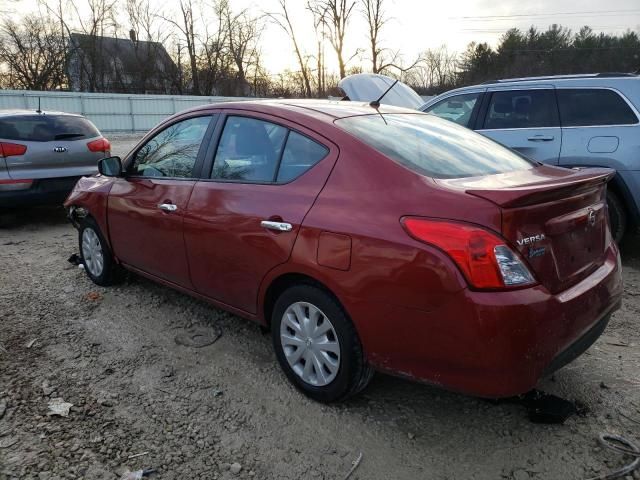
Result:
[
  {"x": 522, "y": 109},
  {"x": 458, "y": 109},
  {"x": 46, "y": 128},
  {"x": 300, "y": 154},
  {"x": 433, "y": 147},
  {"x": 591, "y": 107}
]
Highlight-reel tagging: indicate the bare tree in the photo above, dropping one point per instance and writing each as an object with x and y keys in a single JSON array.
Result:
[
  {"x": 93, "y": 19},
  {"x": 244, "y": 34},
  {"x": 283, "y": 20},
  {"x": 153, "y": 69},
  {"x": 335, "y": 15},
  {"x": 33, "y": 53},
  {"x": 186, "y": 26},
  {"x": 376, "y": 19},
  {"x": 215, "y": 62}
]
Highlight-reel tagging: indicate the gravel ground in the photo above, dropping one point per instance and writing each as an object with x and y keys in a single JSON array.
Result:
[{"x": 226, "y": 411}]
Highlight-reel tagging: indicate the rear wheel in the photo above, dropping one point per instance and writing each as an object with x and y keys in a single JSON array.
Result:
[
  {"x": 617, "y": 216},
  {"x": 96, "y": 257},
  {"x": 317, "y": 345}
]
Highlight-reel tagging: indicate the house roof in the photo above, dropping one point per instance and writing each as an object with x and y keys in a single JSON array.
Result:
[{"x": 127, "y": 53}]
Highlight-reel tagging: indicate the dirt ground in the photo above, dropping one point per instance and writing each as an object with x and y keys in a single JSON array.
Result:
[{"x": 226, "y": 411}]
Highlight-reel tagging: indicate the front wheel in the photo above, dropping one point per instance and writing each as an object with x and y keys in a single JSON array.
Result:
[
  {"x": 96, "y": 257},
  {"x": 317, "y": 346}
]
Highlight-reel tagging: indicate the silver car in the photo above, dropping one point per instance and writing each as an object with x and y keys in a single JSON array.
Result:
[
  {"x": 42, "y": 155},
  {"x": 571, "y": 121}
]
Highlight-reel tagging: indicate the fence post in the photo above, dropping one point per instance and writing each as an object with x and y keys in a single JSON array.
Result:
[{"x": 133, "y": 117}]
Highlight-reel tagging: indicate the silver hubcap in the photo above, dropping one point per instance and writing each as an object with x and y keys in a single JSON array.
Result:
[
  {"x": 92, "y": 252},
  {"x": 310, "y": 344}
]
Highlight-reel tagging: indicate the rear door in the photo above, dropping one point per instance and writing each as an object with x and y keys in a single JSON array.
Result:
[
  {"x": 599, "y": 128},
  {"x": 146, "y": 208},
  {"x": 525, "y": 120},
  {"x": 243, "y": 221}
]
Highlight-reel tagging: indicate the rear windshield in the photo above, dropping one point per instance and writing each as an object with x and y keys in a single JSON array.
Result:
[
  {"x": 46, "y": 128},
  {"x": 433, "y": 147}
]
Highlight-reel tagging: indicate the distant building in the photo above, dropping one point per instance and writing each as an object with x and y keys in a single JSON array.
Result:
[{"x": 106, "y": 64}]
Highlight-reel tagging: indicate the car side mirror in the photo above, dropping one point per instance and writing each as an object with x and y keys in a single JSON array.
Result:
[{"x": 110, "y": 166}]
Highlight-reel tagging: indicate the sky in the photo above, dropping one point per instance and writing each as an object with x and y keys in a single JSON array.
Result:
[{"x": 416, "y": 25}]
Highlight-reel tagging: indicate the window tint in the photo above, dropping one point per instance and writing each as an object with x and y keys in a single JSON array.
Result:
[
  {"x": 46, "y": 128},
  {"x": 173, "y": 151},
  {"x": 522, "y": 109},
  {"x": 432, "y": 147},
  {"x": 586, "y": 107},
  {"x": 458, "y": 109},
  {"x": 300, "y": 154},
  {"x": 249, "y": 150}
]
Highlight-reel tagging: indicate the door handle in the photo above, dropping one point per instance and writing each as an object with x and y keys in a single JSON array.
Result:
[
  {"x": 277, "y": 226},
  {"x": 541, "y": 138},
  {"x": 168, "y": 207}
]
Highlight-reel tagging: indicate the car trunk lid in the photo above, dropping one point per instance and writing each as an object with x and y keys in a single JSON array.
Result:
[{"x": 555, "y": 218}]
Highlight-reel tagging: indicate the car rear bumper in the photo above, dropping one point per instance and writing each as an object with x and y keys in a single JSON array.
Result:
[
  {"x": 46, "y": 191},
  {"x": 496, "y": 344}
]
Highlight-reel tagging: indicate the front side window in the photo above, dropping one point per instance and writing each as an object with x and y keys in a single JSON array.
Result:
[
  {"x": 522, "y": 109},
  {"x": 173, "y": 152},
  {"x": 249, "y": 150},
  {"x": 458, "y": 108},
  {"x": 432, "y": 147},
  {"x": 591, "y": 107}
]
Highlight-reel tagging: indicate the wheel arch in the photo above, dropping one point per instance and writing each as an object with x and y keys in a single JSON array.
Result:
[{"x": 280, "y": 282}]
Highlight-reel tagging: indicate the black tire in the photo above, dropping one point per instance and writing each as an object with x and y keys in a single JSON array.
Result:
[
  {"x": 111, "y": 272},
  {"x": 354, "y": 374},
  {"x": 617, "y": 216}
]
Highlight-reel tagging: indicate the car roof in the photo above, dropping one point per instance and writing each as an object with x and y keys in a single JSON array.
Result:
[
  {"x": 19, "y": 113},
  {"x": 620, "y": 81},
  {"x": 328, "y": 110},
  {"x": 583, "y": 76}
]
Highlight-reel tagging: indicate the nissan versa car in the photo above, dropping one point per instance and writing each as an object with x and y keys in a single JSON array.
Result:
[
  {"x": 574, "y": 121},
  {"x": 42, "y": 155},
  {"x": 365, "y": 239}
]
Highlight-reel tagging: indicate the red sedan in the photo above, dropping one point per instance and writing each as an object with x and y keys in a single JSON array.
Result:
[{"x": 364, "y": 239}]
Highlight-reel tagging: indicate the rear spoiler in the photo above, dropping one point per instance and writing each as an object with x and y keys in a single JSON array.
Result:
[{"x": 540, "y": 192}]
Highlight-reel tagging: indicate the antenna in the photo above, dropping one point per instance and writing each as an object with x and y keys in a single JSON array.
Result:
[
  {"x": 38, "y": 110},
  {"x": 376, "y": 103}
]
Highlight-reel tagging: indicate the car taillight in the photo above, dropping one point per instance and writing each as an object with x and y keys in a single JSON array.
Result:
[
  {"x": 482, "y": 256},
  {"x": 11, "y": 149},
  {"x": 99, "y": 145}
]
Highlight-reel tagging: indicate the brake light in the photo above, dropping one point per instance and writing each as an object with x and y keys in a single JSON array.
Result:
[
  {"x": 11, "y": 149},
  {"x": 99, "y": 145},
  {"x": 483, "y": 257}
]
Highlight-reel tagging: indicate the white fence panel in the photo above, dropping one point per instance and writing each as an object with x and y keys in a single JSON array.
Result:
[{"x": 110, "y": 112}]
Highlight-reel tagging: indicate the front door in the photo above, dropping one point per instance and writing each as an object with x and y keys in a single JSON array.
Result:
[
  {"x": 146, "y": 207},
  {"x": 243, "y": 221},
  {"x": 524, "y": 120}
]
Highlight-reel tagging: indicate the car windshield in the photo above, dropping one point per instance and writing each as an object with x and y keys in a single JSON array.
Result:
[
  {"x": 46, "y": 128},
  {"x": 433, "y": 147}
]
